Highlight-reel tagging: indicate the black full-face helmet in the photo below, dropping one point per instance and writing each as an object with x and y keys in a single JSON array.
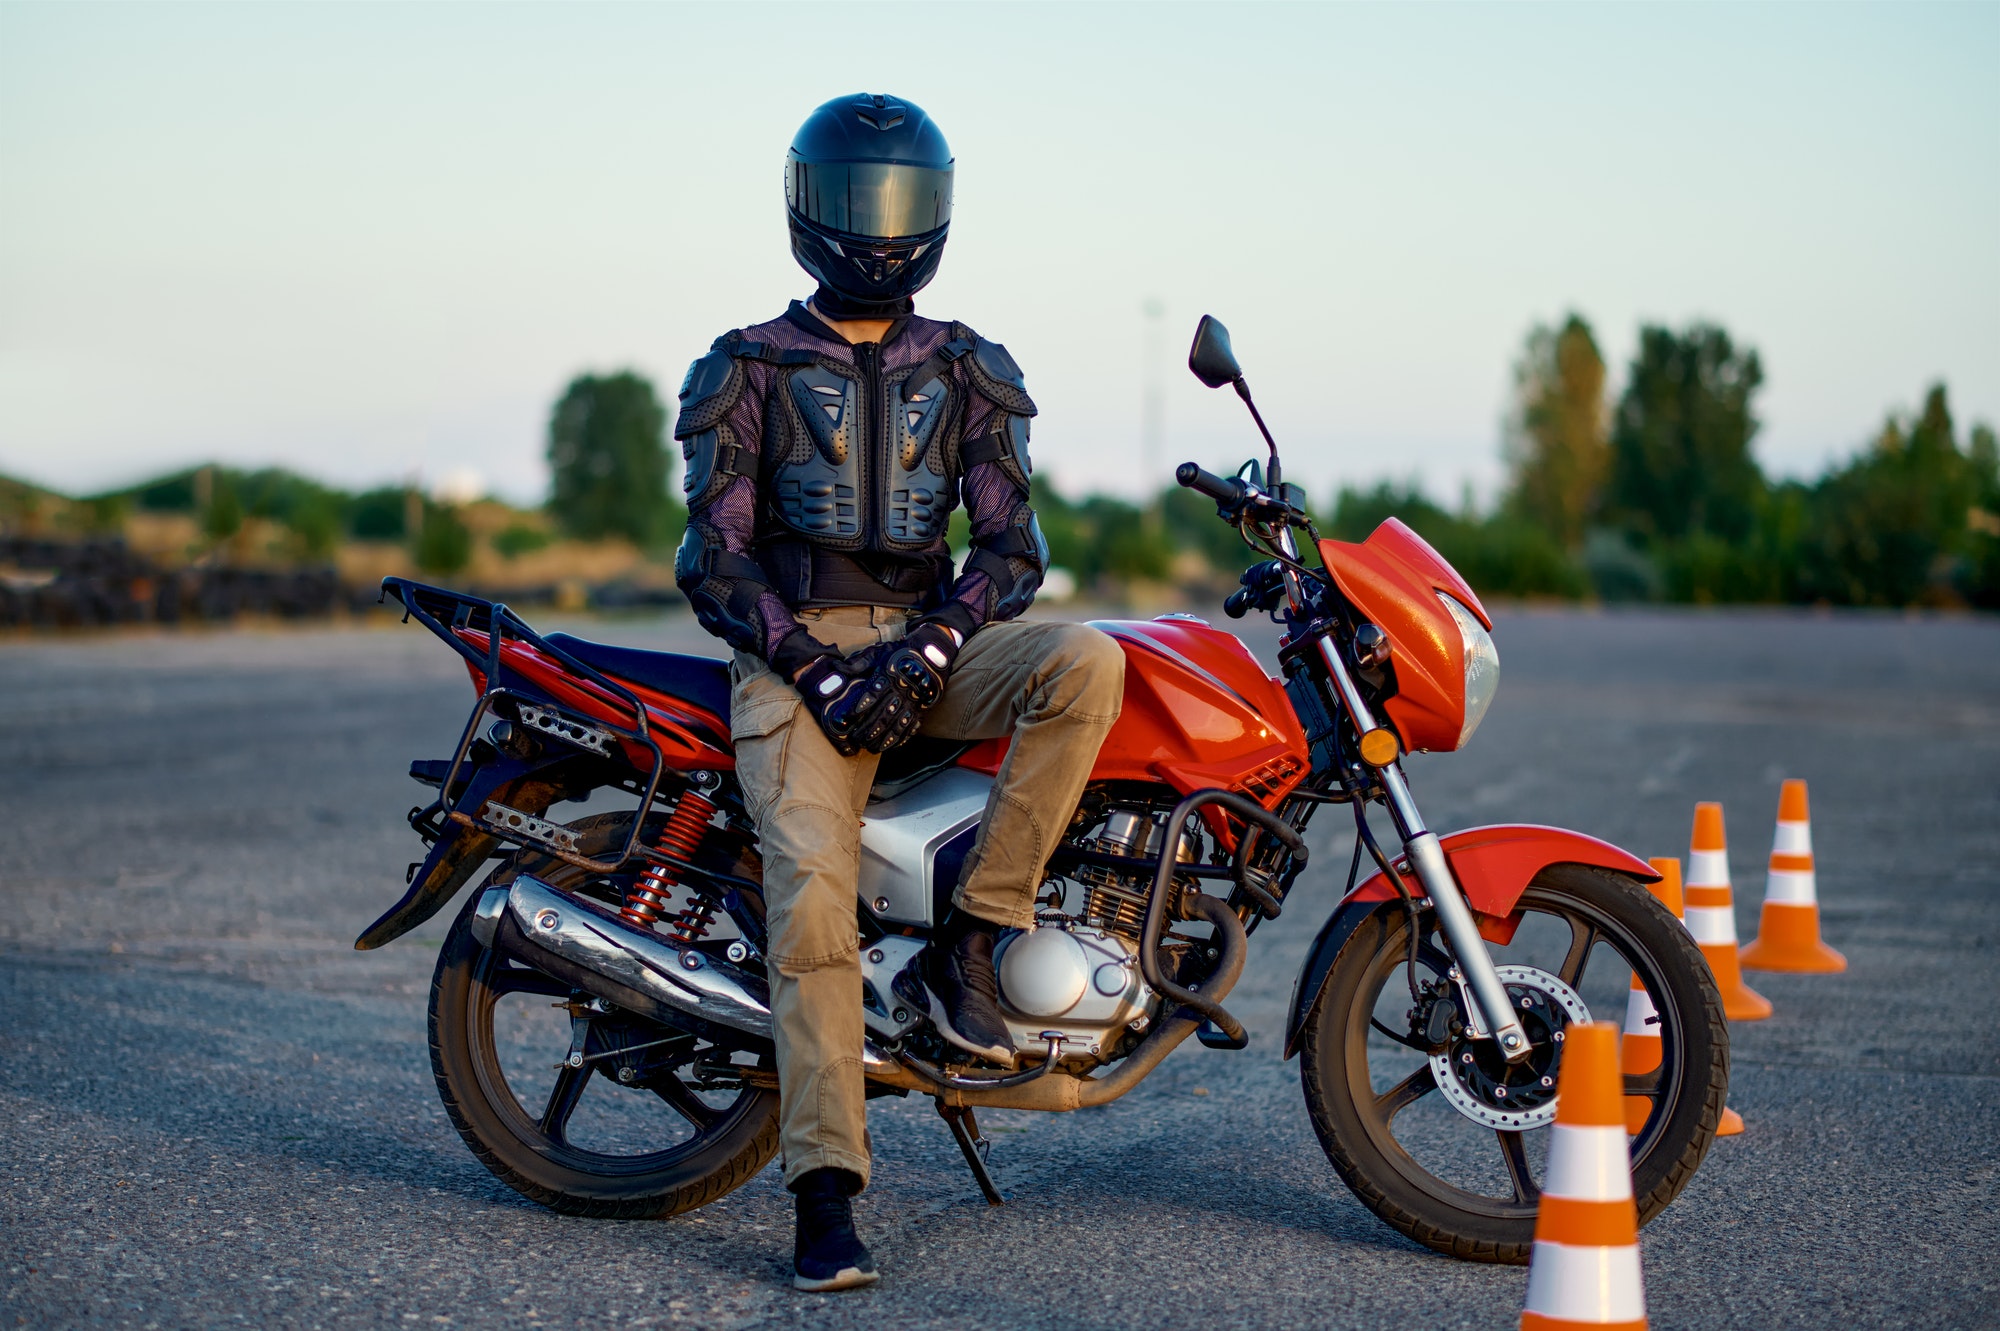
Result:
[{"x": 868, "y": 191}]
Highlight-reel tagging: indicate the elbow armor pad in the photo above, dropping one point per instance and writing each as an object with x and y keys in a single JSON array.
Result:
[
  {"x": 1013, "y": 561},
  {"x": 722, "y": 587}
]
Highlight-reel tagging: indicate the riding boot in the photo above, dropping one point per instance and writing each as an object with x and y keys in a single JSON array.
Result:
[
  {"x": 827, "y": 1254},
  {"x": 955, "y": 974}
]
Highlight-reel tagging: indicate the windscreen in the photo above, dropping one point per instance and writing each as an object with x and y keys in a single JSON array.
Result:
[{"x": 879, "y": 200}]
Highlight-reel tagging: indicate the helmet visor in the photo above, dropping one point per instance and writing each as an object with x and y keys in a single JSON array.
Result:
[{"x": 876, "y": 200}]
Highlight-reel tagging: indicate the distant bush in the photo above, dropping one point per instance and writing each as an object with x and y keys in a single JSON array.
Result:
[{"x": 520, "y": 539}]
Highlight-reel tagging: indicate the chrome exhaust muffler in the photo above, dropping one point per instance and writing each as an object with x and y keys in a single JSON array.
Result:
[
  {"x": 598, "y": 951},
  {"x": 592, "y": 948}
]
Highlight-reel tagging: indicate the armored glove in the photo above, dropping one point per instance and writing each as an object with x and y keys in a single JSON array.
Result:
[
  {"x": 855, "y": 703},
  {"x": 917, "y": 667}
]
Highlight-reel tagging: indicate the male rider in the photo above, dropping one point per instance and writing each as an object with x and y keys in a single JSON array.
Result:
[{"x": 825, "y": 452}]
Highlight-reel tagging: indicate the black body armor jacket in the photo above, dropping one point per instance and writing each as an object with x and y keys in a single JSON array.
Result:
[{"x": 824, "y": 473}]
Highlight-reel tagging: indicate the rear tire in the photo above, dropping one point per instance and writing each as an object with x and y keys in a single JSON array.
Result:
[
  {"x": 1355, "y": 1116},
  {"x": 721, "y": 1147}
]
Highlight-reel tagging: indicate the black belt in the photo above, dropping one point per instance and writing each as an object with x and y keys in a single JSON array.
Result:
[{"x": 809, "y": 575}]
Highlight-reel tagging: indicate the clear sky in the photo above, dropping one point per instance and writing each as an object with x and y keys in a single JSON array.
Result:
[{"x": 370, "y": 241}]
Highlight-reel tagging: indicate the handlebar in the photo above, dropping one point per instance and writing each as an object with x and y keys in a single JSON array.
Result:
[{"x": 1231, "y": 491}]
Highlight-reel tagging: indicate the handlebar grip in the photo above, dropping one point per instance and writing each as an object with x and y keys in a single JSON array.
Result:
[{"x": 1208, "y": 483}]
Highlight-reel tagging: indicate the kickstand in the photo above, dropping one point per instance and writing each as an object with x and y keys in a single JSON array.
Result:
[{"x": 965, "y": 1130}]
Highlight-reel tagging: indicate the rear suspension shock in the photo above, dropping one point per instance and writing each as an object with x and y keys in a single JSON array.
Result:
[{"x": 646, "y": 902}]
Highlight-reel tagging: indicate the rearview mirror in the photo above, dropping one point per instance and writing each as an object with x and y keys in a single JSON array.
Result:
[{"x": 1210, "y": 357}]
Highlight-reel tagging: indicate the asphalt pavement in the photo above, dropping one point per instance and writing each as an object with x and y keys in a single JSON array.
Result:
[{"x": 213, "y": 1112}]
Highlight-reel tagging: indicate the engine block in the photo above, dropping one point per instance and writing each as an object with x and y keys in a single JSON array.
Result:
[{"x": 1081, "y": 981}]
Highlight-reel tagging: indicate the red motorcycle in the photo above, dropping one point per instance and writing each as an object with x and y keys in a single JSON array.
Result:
[{"x": 599, "y": 1019}]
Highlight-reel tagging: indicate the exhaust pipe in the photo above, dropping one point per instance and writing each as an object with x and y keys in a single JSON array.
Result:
[{"x": 589, "y": 946}]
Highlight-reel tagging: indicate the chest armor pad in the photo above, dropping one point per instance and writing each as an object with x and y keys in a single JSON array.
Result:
[
  {"x": 842, "y": 485},
  {"x": 920, "y": 476},
  {"x": 816, "y": 487}
]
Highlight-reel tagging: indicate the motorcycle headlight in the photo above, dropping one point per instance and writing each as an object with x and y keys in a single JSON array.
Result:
[{"x": 1482, "y": 666}]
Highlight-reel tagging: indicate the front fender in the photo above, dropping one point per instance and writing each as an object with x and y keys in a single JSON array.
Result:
[{"x": 1493, "y": 866}]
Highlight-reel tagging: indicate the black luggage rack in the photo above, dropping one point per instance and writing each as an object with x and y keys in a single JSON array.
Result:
[{"x": 445, "y": 612}]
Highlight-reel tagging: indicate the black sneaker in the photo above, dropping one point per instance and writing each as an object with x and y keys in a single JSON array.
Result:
[
  {"x": 827, "y": 1254},
  {"x": 963, "y": 995}
]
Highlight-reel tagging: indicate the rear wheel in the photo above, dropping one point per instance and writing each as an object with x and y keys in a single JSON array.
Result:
[
  {"x": 578, "y": 1105},
  {"x": 1450, "y": 1148}
]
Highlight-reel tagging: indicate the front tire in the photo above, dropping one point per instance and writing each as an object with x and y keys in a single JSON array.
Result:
[
  {"x": 650, "y": 1126},
  {"x": 1464, "y": 1186}
]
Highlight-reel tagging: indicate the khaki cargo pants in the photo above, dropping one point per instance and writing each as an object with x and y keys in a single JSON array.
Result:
[{"x": 1055, "y": 688}]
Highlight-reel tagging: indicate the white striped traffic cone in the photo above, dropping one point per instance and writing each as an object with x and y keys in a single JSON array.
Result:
[
  {"x": 1585, "y": 1268},
  {"x": 1788, "y": 930},
  {"x": 1711, "y": 915},
  {"x": 1639, "y": 1051}
]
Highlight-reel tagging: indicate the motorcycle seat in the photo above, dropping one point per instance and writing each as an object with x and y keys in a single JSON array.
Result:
[{"x": 702, "y": 681}]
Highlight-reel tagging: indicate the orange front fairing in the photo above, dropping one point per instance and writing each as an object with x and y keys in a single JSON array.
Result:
[
  {"x": 1393, "y": 578},
  {"x": 1199, "y": 712},
  {"x": 690, "y": 737}
]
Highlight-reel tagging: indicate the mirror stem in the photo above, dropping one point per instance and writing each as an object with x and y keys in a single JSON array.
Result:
[{"x": 1271, "y": 474}]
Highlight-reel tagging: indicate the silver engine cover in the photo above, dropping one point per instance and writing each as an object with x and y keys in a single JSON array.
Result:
[{"x": 1073, "y": 979}]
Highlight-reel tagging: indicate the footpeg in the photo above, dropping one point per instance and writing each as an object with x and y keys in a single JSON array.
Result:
[
  {"x": 965, "y": 1131},
  {"x": 1215, "y": 1037}
]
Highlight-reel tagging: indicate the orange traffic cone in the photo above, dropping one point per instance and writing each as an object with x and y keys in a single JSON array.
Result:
[
  {"x": 1711, "y": 915},
  {"x": 1788, "y": 931},
  {"x": 1639, "y": 1052},
  {"x": 1585, "y": 1266}
]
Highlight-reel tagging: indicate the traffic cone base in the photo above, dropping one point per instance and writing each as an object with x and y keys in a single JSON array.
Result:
[
  {"x": 1739, "y": 1001},
  {"x": 1731, "y": 1124},
  {"x": 1788, "y": 940}
]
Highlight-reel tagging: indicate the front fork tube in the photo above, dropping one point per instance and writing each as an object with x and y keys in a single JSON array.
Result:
[
  {"x": 1426, "y": 857},
  {"x": 1461, "y": 931}
]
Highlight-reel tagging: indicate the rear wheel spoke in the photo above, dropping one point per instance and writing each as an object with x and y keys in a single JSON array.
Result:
[
  {"x": 563, "y": 1097},
  {"x": 1515, "y": 1153},
  {"x": 683, "y": 1101},
  {"x": 1405, "y": 1093}
]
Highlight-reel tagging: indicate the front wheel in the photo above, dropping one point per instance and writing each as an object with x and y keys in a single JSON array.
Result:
[{"x": 1449, "y": 1146}]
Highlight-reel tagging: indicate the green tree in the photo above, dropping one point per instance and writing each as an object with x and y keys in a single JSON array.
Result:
[
  {"x": 1556, "y": 442},
  {"x": 1680, "y": 443},
  {"x": 608, "y": 454},
  {"x": 222, "y": 514},
  {"x": 1899, "y": 524},
  {"x": 445, "y": 543},
  {"x": 379, "y": 515}
]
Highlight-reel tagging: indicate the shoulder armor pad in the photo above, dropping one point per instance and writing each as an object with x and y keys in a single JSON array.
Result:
[
  {"x": 998, "y": 378},
  {"x": 711, "y": 388}
]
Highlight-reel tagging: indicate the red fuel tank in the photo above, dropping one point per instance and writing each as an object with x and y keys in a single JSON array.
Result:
[{"x": 1199, "y": 712}]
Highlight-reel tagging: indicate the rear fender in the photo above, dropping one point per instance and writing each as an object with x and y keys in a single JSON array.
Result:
[
  {"x": 459, "y": 850},
  {"x": 1493, "y": 866}
]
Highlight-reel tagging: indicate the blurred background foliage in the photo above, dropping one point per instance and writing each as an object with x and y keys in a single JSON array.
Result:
[{"x": 1652, "y": 495}]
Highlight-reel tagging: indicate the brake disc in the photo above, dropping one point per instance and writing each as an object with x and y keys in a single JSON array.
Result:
[{"x": 1482, "y": 1085}]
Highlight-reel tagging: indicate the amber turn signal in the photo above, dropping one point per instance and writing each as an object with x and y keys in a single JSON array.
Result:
[{"x": 1379, "y": 747}]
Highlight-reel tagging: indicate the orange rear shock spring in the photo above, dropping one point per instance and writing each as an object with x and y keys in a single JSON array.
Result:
[{"x": 646, "y": 900}]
